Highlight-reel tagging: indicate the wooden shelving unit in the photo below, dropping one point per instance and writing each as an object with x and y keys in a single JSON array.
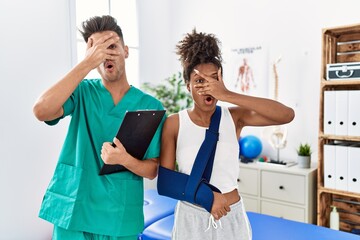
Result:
[{"x": 348, "y": 203}]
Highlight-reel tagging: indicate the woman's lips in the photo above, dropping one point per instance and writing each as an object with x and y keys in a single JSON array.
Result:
[{"x": 209, "y": 100}]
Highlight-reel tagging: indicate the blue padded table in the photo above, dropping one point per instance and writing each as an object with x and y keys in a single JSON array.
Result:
[
  {"x": 159, "y": 230},
  {"x": 269, "y": 227},
  {"x": 156, "y": 206},
  {"x": 264, "y": 227}
]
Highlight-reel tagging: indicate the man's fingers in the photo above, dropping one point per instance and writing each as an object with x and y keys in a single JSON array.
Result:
[
  {"x": 105, "y": 147},
  {"x": 104, "y": 38},
  {"x": 110, "y": 41},
  {"x": 112, "y": 52},
  {"x": 117, "y": 142}
]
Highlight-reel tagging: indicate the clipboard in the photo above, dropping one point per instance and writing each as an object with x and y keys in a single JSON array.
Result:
[{"x": 135, "y": 133}]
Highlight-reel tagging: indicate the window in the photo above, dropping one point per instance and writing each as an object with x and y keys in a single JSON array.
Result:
[{"x": 124, "y": 11}]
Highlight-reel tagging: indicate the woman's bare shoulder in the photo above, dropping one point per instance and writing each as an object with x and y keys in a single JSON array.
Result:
[{"x": 172, "y": 122}]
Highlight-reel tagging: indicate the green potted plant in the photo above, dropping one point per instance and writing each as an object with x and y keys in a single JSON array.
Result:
[
  {"x": 172, "y": 93},
  {"x": 304, "y": 155}
]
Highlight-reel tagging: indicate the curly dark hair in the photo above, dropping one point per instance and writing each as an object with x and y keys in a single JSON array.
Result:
[
  {"x": 100, "y": 24},
  {"x": 197, "y": 48}
]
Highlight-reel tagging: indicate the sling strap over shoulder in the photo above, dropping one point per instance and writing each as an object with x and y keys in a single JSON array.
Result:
[{"x": 204, "y": 160}]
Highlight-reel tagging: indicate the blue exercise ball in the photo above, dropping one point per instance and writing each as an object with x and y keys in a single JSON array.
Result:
[{"x": 250, "y": 146}]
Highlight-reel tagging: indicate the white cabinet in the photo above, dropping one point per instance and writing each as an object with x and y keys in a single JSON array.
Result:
[{"x": 287, "y": 192}]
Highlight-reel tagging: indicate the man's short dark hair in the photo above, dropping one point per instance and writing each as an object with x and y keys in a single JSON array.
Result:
[{"x": 100, "y": 24}]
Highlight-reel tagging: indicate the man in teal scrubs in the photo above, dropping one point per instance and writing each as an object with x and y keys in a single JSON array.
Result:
[{"x": 79, "y": 202}]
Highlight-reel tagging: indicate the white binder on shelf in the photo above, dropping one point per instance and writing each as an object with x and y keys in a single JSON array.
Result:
[
  {"x": 354, "y": 113},
  {"x": 341, "y": 170},
  {"x": 341, "y": 126},
  {"x": 354, "y": 169},
  {"x": 329, "y": 112},
  {"x": 329, "y": 166}
]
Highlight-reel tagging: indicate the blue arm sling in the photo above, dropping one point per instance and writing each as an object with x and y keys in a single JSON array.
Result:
[{"x": 194, "y": 188}]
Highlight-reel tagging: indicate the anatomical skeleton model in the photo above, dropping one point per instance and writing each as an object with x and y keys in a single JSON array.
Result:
[{"x": 276, "y": 135}]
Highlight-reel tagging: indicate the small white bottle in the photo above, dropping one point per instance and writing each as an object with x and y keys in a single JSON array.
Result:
[{"x": 334, "y": 218}]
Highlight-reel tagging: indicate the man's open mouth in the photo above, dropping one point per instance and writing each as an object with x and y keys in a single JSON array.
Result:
[{"x": 109, "y": 65}]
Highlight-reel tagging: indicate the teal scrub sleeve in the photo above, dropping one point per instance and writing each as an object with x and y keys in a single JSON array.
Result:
[{"x": 68, "y": 107}]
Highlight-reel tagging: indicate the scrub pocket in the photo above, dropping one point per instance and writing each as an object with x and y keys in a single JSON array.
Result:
[{"x": 60, "y": 197}]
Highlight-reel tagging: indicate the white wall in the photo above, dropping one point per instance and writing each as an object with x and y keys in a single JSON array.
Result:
[
  {"x": 154, "y": 20},
  {"x": 34, "y": 53}
]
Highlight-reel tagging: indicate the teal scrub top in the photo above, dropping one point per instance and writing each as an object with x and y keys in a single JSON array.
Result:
[{"x": 78, "y": 198}]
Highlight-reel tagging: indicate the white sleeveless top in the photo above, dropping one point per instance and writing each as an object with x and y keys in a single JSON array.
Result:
[{"x": 226, "y": 162}]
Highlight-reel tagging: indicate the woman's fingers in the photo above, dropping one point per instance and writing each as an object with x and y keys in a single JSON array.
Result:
[{"x": 220, "y": 75}]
